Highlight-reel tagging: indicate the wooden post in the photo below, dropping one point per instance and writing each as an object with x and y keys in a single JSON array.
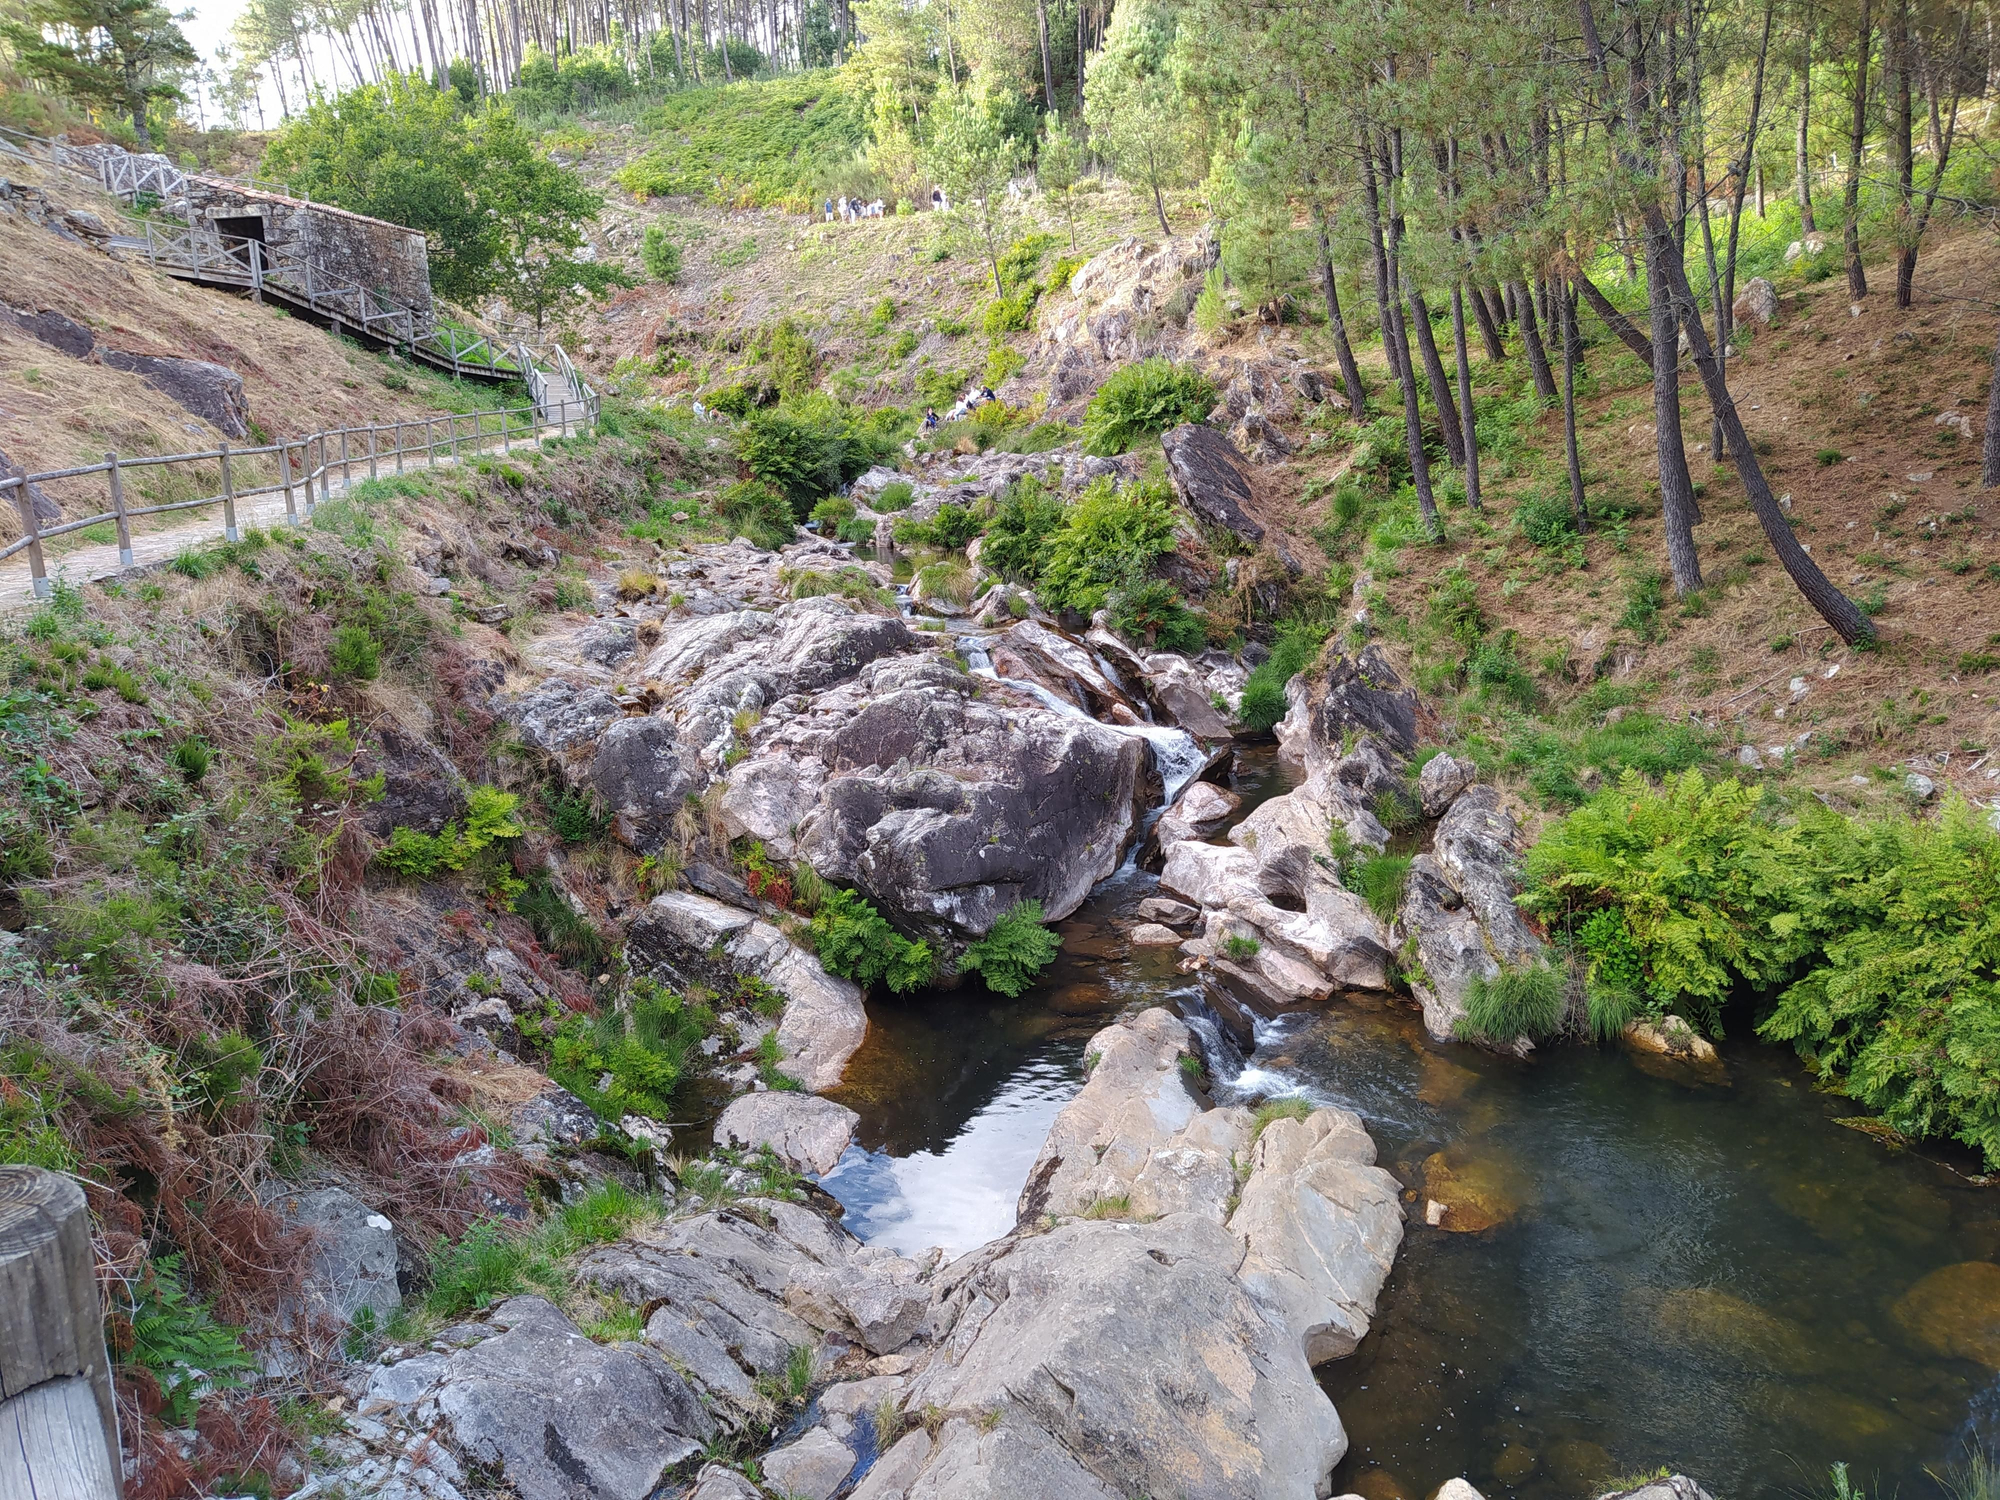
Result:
[
  {"x": 346, "y": 467},
  {"x": 118, "y": 510},
  {"x": 372, "y": 430},
  {"x": 38, "y": 570},
  {"x": 228, "y": 500},
  {"x": 399, "y": 447},
  {"x": 325, "y": 472},
  {"x": 58, "y": 1424},
  {"x": 285, "y": 478},
  {"x": 453, "y": 419}
]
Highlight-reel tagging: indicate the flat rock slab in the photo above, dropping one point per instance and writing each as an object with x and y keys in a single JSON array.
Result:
[
  {"x": 1153, "y": 935},
  {"x": 1211, "y": 477},
  {"x": 812, "y": 1468},
  {"x": 807, "y": 1133}
]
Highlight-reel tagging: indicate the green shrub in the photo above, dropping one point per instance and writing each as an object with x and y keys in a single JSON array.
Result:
[
  {"x": 486, "y": 1264},
  {"x": 833, "y": 512},
  {"x": 1379, "y": 880},
  {"x": 105, "y": 674},
  {"x": 896, "y": 495},
  {"x": 192, "y": 758},
  {"x": 1151, "y": 614},
  {"x": 1263, "y": 702},
  {"x": 1211, "y": 309},
  {"x": 855, "y": 941},
  {"x": 1644, "y": 596},
  {"x": 1021, "y": 526},
  {"x": 1240, "y": 949},
  {"x": 659, "y": 255},
  {"x": 760, "y": 515},
  {"x": 574, "y": 817},
  {"x": 1496, "y": 671},
  {"x": 631, "y": 1061},
  {"x": 354, "y": 655},
  {"x": 489, "y": 819},
  {"x": 1017, "y": 949},
  {"x": 1546, "y": 519},
  {"x": 1527, "y": 1001},
  {"x": 559, "y": 926},
  {"x": 951, "y": 528},
  {"x": 799, "y": 459},
  {"x": 1141, "y": 401},
  {"x": 1108, "y": 539}
]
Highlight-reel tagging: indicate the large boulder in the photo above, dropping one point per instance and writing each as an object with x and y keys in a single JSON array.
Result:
[
  {"x": 687, "y": 939},
  {"x": 352, "y": 1269},
  {"x": 643, "y": 780},
  {"x": 553, "y": 1415},
  {"x": 1212, "y": 478},
  {"x": 807, "y": 1133},
  {"x": 212, "y": 392}
]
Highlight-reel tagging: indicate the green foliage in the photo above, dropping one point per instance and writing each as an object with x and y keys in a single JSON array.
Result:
[
  {"x": 1017, "y": 949},
  {"x": 354, "y": 656},
  {"x": 499, "y": 214},
  {"x": 559, "y": 926},
  {"x": 855, "y": 941},
  {"x": 1143, "y": 400},
  {"x": 1706, "y": 893},
  {"x": 1527, "y": 1001},
  {"x": 1644, "y": 596},
  {"x": 1547, "y": 519},
  {"x": 1379, "y": 880},
  {"x": 1273, "y": 1110},
  {"x": 1108, "y": 539},
  {"x": 748, "y": 144},
  {"x": 486, "y": 1264},
  {"x": 807, "y": 450},
  {"x": 29, "y": 1135},
  {"x": 167, "y": 1331},
  {"x": 756, "y": 512},
  {"x": 1011, "y": 313},
  {"x": 574, "y": 816},
  {"x": 489, "y": 819},
  {"x": 1211, "y": 308},
  {"x": 1151, "y": 613},
  {"x": 192, "y": 757},
  {"x": 660, "y": 255},
  {"x": 1263, "y": 702},
  {"x": 833, "y": 512},
  {"x": 1021, "y": 526},
  {"x": 1240, "y": 949},
  {"x": 896, "y": 495},
  {"x": 1557, "y": 761},
  {"x": 631, "y": 1061},
  {"x": 951, "y": 528},
  {"x": 115, "y": 55}
]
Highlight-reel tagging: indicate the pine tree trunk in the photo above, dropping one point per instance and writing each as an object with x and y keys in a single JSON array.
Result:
[
  {"x": 1677, "y": 502},
  {"x": 1833, "y": 606},
  {"x": 1639, "y": 343},
  {"x": 1395, "y": 343},
  {"x": 1802, "y": 162},
  {"x": 1857, "y": 142},
  {"x": 1343, "y": 351},
  {"x": 1465, "y": 411},
  {"x": 1447, "y": 409},
  {"x": 1989, "y": 470},
  {"x": 1569, "y": 345},
  {"x": 1531, "y": 340}
]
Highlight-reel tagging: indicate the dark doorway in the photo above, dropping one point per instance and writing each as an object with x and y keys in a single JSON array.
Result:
[{"x": 248, "y": 227}]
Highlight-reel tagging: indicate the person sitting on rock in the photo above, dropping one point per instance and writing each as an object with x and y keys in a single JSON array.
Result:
[
  {"x": 986, "y": 395},
  {"x": 930, "y": 419}
]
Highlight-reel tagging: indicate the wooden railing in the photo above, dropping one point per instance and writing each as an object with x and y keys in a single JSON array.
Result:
[{"x": 303, "y": 469}]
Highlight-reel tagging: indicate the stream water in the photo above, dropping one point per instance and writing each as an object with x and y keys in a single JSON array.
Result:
[{"x": 1686, "y": 1270}]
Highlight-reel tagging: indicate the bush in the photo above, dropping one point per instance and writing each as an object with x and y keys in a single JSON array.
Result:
[
  {"x": 1379, "y": 880},
  {"x": 1141, "y": 401},
  {"x": 1152, "y": 614},
  {"x": 1108, "y": 539},
  {"x": 559, "y": 926},
  {"x": 1263, "y": 702},
  {"x": 799, "y": 459},
  {"x": 951, "y": 528},
  {"x": 896, "y": 495},
  {"x": 1514, "y": 1003},
  {"x": 631, "y": 1061},
  {"x": 1546, "y": 519},
  {"x": 833, "y": 513},
  {"x": 489, "y": 819},
  {"x": 760, "y": 515},
  {"x": 855, "y": 941},
  {"x": 354, "y": 655},
  {"x": 1027, "y": 516},
  {"x": 174, "y": 1336},
  {"x": 659, "y": 255},
  {"x": 1017, "y": 949}
]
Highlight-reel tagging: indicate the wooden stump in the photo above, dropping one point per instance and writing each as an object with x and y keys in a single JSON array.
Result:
[{"x": 58, "y": 1425}]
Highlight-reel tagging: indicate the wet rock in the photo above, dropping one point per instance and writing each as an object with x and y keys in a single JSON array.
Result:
[
  {"x": 212, "y": 392},
  {"x": 1459, "y": 905},
  {"x": 1153, "y": 935},
  {"x": 1670, "y": 1036},
  {"x": 1032, "y": 652},
  {"x": 811, "y": 1468},
  {"x": 1198, "y": 812},
  {"x": 1211, "y": 478},
  {"x": 1467, "y": 1191},
  {"x": 1442, "y": 779},
  {"x": 1165, "y": 910},
  {"x": 895, "y": 1471},
  {"x": 1321, "y": 1223},
  {"x": 1456, "y": 1489},
  {"x": 1711, "y": 1323},
  {"x": 1673, "y": 1487},
  {"x": 1579, "y": 1463},
  {"x": 807, "y": 1133},
  {"x": 687, "y": 939},
  {"x": 1955, "y": 1312},
  {"x": 1183, "y": 695},
  {"x": 557, "y": 1416},
  {"x": 353, "y": 1264},
  {"x": 714, "y": 1482}
]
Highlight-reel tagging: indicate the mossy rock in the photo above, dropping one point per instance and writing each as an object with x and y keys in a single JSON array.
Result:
[
  {"x": 1955, "y": 1312},
  {"x": 1467, "y": 1191}
]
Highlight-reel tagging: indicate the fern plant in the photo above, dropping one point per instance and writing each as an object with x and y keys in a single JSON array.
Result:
[
  {"x": 1017, "y": 949},
  {"x": 174, "y": 1336}
]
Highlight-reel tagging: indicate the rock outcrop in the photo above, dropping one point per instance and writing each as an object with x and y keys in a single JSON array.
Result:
[
  {"x": 688, "y": 939},
  {"x": 1211, "y": 478},
  {"x": 806, "y": 1133}
]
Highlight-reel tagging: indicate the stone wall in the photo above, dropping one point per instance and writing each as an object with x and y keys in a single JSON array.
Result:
[{"x": 346, "y": 248}]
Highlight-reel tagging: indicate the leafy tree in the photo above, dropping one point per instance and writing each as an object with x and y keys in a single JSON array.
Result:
[
  {"x": 1135, "y": 113},
  {"x": 114, "y": 55},
  {"x": 1058, "y": 166},
  {"x": 973, "y": 158}
]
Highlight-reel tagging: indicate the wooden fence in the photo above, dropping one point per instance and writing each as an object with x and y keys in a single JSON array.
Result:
[{"x": 303, "y": 469}]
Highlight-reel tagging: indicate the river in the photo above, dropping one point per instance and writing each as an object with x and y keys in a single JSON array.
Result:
[{"x": 1699, "y": 1271}]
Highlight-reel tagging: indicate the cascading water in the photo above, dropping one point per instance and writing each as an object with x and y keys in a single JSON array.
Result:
[{"x": 1177, "y": 755}]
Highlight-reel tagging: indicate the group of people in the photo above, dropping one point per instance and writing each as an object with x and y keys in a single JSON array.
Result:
[
  {"x": 848, "y": 209},
  {"x": 970, "y": 402}
]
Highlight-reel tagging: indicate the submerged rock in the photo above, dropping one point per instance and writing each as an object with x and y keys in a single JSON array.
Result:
[
  {"x": 1955, "y": 1312},
  {"x": 1468, "y": 1190}
]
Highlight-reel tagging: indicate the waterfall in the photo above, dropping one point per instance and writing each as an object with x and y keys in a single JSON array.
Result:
[{"x": 1176, "y": 754}]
